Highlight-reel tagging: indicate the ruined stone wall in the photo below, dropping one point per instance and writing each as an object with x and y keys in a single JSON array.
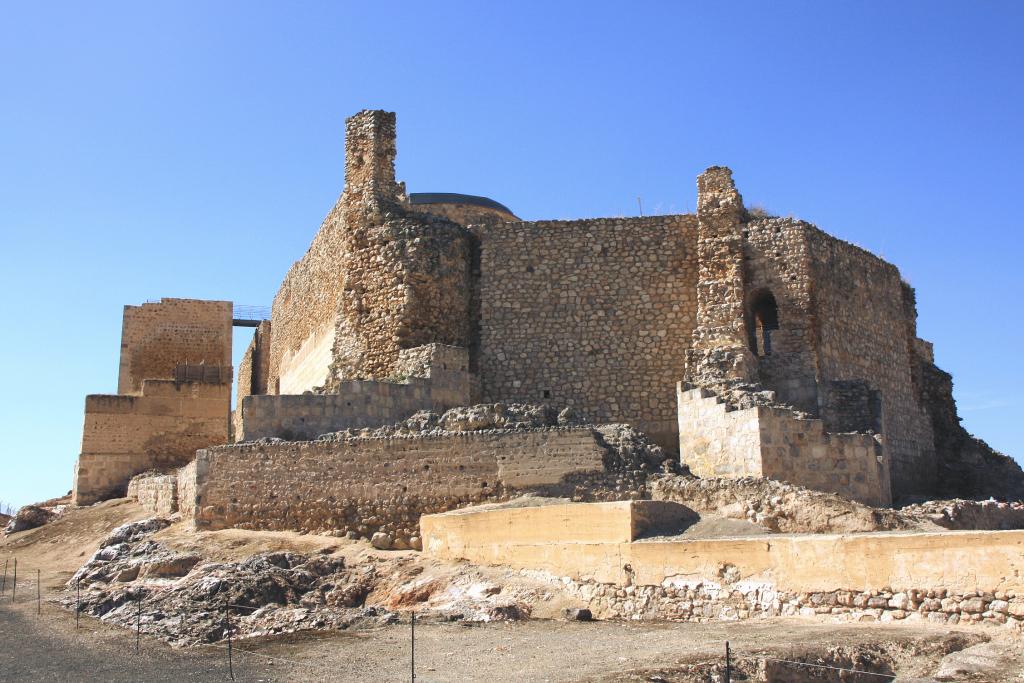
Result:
[
  {"x": 593, "y": 314},
  {"x": 304, "y": 312},
  {"x": 160, "y": 429},
  {"x": 431, "y": 377},
  {"x": 155, "y": 493},
  {"x": 253, "y": 372},
  {"x": 365, "y": 485},
  {"x": 967, "y": 467},
  {"x": 377, "y": 279},
  {"x": 777, "y": 261},
  {"x": 863, "y": 335},
  {"x": 156, "y": 337},
  {"x": 720, "y": 356},
  {"x": 717, "y": 440}
]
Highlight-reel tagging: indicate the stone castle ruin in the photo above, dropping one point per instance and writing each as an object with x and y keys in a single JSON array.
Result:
[{"x": 432, "y": 350}]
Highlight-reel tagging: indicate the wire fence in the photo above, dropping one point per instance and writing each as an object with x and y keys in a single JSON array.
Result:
[{"x": 21, "y": 589}]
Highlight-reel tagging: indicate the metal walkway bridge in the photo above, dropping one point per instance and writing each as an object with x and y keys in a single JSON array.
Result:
[{"x": 249, "y": 316}]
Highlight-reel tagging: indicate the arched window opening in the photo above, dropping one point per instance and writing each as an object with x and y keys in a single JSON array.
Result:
[{"x": 764, "y": 314}]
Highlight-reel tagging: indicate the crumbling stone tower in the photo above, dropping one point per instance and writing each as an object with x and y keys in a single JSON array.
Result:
[
  {"x": 378, "y": 278},
  {"x": 719, "y": 355}
]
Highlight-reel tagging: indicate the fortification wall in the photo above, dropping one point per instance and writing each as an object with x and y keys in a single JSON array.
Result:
[
  {"x": 377, "y": 279},
  {"x": 718, "y": 441},
  {"x": 365, "y": 485},
  {"x": 593, "y": 314},
  {"x": 304, "y": 312},
  {"x": 433, "y": 377},
  {"x": 155, "y": 493},
  {"x": 156, "y": 337},
  {"x": 253, "y": 372},
  {"x": 160, "y": 429},
  {"x": 863, "y": 335},
  {"x": 777, "y": 260}
]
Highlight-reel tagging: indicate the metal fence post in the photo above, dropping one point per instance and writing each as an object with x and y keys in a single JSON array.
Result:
[
  {"x": 39, "y": 595},
  {"x": 412, "y": 649},
  {"x": 78, "y": 600},
  {"x": 728, "y": 664},
  {"x": 14, "y": 583},
  {"x": 227, "y": 629},
  {"x": 138, "y": 624}
]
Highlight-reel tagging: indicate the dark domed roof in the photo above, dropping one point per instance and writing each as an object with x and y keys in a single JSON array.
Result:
[{"x": 455, "y": 198}]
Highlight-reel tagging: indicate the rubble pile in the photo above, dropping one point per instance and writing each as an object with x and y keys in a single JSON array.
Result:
[
  {"x": 776, "y": 505},
  {"x": 968, "y": 514},
  {"x": 181, "y": 599},
  {"x": 184, "y": 600}
]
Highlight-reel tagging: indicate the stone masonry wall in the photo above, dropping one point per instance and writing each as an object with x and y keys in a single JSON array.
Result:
[
  {"x": 156, "y": 337},
  {"x": 720, "y": 356},
  {"x": 155, "y": 493},
  {"x": 253, "y": 371},
  {"x": 862, "y": 335},
  {"x": 777, "y": 260},
  {"x": 592, "y": 314},
  {"x": 378, "y": 278},
  {"x": 719, "y": 441},
  {"x": 431, "y": 377},
  {"x": 967, "y": 466},
  {"x": 160, "y": 429},
  {"x": 366, "y": 485}
]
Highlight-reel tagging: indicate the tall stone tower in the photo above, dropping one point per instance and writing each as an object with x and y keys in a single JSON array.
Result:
[
  {"x": 405, "y": 275},
  {"x": 720, "y": 354}
]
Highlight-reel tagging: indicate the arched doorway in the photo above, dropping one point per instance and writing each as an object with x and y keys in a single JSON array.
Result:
[{"x": 764, "y": 320}]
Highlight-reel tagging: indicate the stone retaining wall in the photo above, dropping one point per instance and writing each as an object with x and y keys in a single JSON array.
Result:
[
  {"x": 945, "y": 577},
  {"x": 431, "y": 377},
  {"x": 159, "y": 430},
  {"x": 716, "y": 440},
  {"x": 361, "y": 486},
  {"x": 155, "y": 493}
]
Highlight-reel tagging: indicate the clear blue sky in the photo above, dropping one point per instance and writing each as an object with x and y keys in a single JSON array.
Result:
[{"x": 191, "y": 149}]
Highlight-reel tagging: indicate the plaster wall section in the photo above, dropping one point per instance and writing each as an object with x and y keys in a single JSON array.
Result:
[
  {"x": 156, "y": 337},
  {"x": 592, "y": 314},
  {"x": 160, "y": 429},
  {"x": 864, "y": 334},
  {"x": 370, "y": 484},
  {"x": 961, "y": 561}
]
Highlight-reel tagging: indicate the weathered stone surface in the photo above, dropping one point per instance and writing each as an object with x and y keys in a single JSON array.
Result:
[
  {"x": 174, "y": 396},
  {"x": 28, "y": 517}
]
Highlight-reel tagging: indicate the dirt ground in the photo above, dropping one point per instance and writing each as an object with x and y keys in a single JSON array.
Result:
[
  {"x": 39, "y": 641},
  {"x": 47, "y": 647}
]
